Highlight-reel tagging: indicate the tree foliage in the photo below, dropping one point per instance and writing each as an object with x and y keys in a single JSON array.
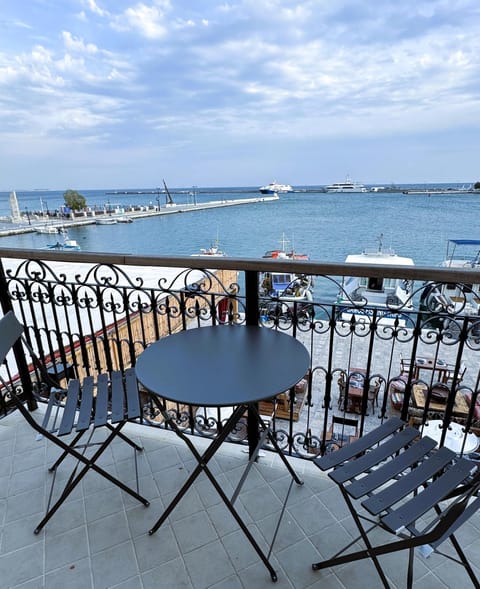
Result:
[
  {"x": 74, "y": 200},
  {"x": 477, "y": 185}
]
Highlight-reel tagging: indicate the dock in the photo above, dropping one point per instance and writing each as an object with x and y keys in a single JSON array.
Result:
[{"x": 90, "y": 218}]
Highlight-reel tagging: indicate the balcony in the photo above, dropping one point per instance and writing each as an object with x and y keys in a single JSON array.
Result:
[
  {"x": 88, "y": 313},
  {"x": 99, "y": 536}
]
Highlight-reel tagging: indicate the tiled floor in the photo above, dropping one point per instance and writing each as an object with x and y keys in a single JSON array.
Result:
[{"x": 99, "y": 536}]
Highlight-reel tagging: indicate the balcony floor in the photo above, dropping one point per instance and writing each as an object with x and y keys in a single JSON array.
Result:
[{"x": 99, "y": 536}]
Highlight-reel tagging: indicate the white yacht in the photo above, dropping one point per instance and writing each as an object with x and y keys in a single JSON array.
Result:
[
  {"x": 275, "y": 187},
  {"x": 347, "y": 186},
  {"x": 360, "y": 295}
]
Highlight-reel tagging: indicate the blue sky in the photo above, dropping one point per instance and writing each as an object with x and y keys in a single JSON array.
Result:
[{"x": 123, "y": 93}]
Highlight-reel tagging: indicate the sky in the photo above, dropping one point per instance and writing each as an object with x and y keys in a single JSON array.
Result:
[{"x": 126, "y": 93}]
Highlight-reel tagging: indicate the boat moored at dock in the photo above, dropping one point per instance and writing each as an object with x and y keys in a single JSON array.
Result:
[
  {"x": 360, "y": 296},
  {"x": 281, "y": 292}
]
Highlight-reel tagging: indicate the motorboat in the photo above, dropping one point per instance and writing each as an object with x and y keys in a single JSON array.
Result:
[
  {"x": 360, "y": 296},
  {"x": 124, "y": 219},
  {"x": 106, "y": 221},
  {"x": 282, "y": 252},
  {"x": 284, "y": 293},
  {"x": 213, "y": 250},
  {"x": 454, "y": 298},
  {"x": 347, "y": 186},
  {"x": 275, "y": 188},
  {"x": 65, "y": 244},
  {"x": 48, "y": 229}
]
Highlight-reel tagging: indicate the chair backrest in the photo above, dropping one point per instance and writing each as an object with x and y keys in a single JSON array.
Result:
[
  {"x": 10, "y": 331},
  {"x": 340, "y": 423}
]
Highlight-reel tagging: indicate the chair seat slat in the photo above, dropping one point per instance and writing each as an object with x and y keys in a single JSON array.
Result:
[
  {"x": 101, "y": 401},
  {"x": 429, "y": 497},
  {"x": 118, "y": 397},
  {"x": 133, "y": 398},
  {"x": 374, "y": 456},
  {"x": 391, "y": 469},
  {"x": 86, "y": 405},
  {"x": 333, "y": 459},
  {"x": 68, "y": 417},
  {"x": 409, "y": 482}
]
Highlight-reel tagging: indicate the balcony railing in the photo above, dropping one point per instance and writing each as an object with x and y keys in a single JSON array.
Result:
[{"x": 87, "y": 313}]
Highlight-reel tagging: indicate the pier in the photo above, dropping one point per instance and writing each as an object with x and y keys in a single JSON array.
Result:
[{"x": 90, "y": 218}]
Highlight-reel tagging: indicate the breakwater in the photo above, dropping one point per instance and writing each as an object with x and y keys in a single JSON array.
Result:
[{"x": 90, "y": 218}]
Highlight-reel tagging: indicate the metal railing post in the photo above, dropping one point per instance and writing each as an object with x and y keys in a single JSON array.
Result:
[
  {"x": 18, "y": 351},
  {"x": 251, "y": 318}
]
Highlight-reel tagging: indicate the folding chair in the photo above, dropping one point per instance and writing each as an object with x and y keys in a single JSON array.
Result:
[
  {"x": 110, "y": 402},
  {"x": 342, "y": 430},
  {"x": 400, "y": 480}
]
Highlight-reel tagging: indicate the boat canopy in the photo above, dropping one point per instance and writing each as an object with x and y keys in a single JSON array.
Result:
[{"x": 465, "y": 241}]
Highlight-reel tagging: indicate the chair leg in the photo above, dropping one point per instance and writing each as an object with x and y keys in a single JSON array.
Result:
[
  {"x": 89, "y": 463},
  {"x": 125, "y": 438}
]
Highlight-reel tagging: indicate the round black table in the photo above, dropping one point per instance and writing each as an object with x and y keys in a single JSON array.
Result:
[{"x": 223, "y": 366}]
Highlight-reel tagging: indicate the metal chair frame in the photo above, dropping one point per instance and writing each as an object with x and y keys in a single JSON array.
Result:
[
  {"x": 398, "y": 478},
  {"x": 110, "y": 402}
]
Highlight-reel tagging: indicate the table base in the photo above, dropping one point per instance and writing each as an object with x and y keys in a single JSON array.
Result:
[{"x": 203, "y": 460}]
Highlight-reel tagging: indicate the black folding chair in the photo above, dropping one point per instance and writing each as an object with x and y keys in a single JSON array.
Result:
[
  {"x": 400, "y": 480},
  {"x": 110, "y": 402}
]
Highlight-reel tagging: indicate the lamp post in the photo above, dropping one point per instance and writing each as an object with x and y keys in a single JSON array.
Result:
[
  {"x": 158, "y": 198},
  {"x": 28, "y": 215}
]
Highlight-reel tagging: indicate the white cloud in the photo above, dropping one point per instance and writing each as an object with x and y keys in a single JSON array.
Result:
[
  {"x": 183, "y": 72},
  {"x": 147, "y": 20}
]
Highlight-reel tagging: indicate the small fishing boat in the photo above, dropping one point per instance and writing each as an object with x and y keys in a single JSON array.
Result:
[
  {"x": 284, "y": 293},
  {"x": 282, "y": 253},
  {"x": 361, "y": 296},
  {"x": 106, "y": 221},
  {"x": 213, "y": 250},
  {"x": 48, "y": 229},
  {"x": 67, "y": 244}
]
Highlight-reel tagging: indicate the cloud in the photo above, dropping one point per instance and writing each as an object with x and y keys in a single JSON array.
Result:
[
  {"x": 147, "y": 20},
  {"x": 231, "y": 72}
]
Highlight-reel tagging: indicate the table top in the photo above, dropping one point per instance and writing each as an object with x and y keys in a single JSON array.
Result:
[
  {"x": 454, "y": 438},
  {"x": 419, "y": 392},
  {"x": 428, "y": 362},
  {"x": 222, "y": 365}
]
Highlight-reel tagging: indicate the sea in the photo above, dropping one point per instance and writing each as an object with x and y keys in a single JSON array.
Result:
[{"x": 326, "y": 226}]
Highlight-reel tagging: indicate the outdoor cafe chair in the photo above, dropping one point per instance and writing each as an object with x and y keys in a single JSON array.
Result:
[
  {"x": 393, "y": 479},
  {"x": 108, "y": 402}
]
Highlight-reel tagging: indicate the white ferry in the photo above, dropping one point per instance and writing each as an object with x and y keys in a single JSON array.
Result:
[
  {"x": 347, "y": 186},
  {"x": 275, "y": 187},
  {"x": 359, "y": 296}
]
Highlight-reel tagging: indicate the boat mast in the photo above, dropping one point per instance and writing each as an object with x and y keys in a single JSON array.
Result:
[{"x": 169, "y": 196}]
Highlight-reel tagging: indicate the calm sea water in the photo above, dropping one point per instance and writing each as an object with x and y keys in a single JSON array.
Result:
[{"x": 326, "y": 226}]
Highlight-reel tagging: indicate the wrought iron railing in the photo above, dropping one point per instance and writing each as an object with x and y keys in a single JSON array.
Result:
[{"x": 86, "y": 313}]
